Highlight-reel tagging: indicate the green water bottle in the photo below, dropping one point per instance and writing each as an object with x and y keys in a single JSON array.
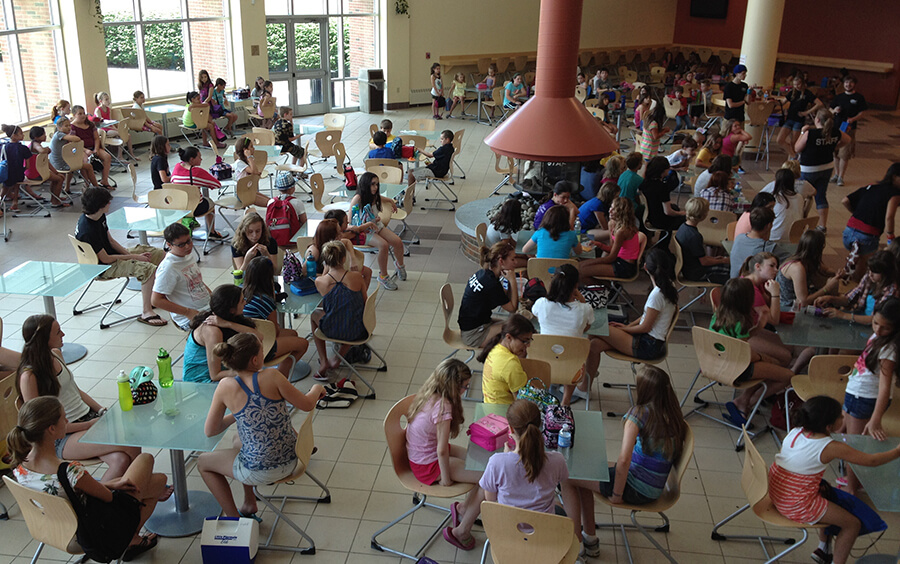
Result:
[
  {"x": 124, "y": 386},
  {"x": 164, "y": 366}
]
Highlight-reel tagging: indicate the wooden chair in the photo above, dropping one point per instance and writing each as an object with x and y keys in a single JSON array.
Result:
[
  {"x": 546, "y": 268},
  {"x": 334, "y": 121},
  {"x": 135, "y": 118},
  {"x": 666, "y": 501},
  {"x": 304, "y": 449},
  {"x": 73, "y": 156},
  {"x": 507, "y": 172},
  {"x": 369, "y": 323},
  {"x": 758, "y": 113},
  {"x": 193, "y": 195},
  {"x": 86, "y": 255},
  {"x": 614, "y": 354},
  {"x": 729, "y": 230},
  {"x": 422, "y": 124},
  {"x": 496, "y": 101},
  {"x": 704, "y": 286},
  {"x": 662, "y": 233},
  {"x": 373, "y": 127},
  {"x": 521, "y": 536},
  {"x": 42, "y": 166},
  {"x": 8, "y": 419},
  {"x": 244, "y": 196},
  {"x": 340, "y": 155},
  {"x": 481, "y": 235},
  {"x": 395, "y": 435},
  {"x": 705, "y": 53},
  {"x": 580, "y": 93},
  {"x": 122, "y": 141},
  {"x": 388, "y": 171},
  {"x": 457, "y": 150},
  {"x": 317, "y": 186},
  {"x": 631, "y": 76},
  {"x": 325, "y": 141},
  {"x": 592, "y": 103},
  {"x": 725, "y": 56},
  {"x": 715, "y": 227},
  {"x": 452, "y": 337},
  {"x": 800, "y": 226},
  {"x": 409, "y": 197},
  {"x": 418, "y": 141},
  {"x": 565, "y": 355},
  {"x": 755, "y": 484},
  {"x": 657, "y": 75},
  {"x": 618, "y": 283},
  {"x": 262, "y": 136},
  {"x": 828, "y": 374},
  {"x": 722, "y": 361},
  {"x": 201, "y": 122},
  {"x": 483, "y": 65},
  {"x": 672, "y": 107},
  {"x": 168, "y": 199},
  {"x": 268, "y": 112}
]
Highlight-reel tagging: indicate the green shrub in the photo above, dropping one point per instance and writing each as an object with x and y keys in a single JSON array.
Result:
[{"x": 163, "y": 43}]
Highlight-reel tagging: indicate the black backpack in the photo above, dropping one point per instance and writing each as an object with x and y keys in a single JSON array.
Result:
[{"x": 104, "y": 529}]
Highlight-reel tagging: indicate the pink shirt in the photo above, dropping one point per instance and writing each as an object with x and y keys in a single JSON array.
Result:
[
  {"x": 728, "y": 146},
  {"x": 630, "y": 249},
  {"x": 506, "y": 477},
  {"x": 421, "y": 432},
  {"x": 743, "y": 224}
]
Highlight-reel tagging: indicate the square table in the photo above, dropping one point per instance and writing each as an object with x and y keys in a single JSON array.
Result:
[
  {"x": 880, "y": 482},
  {"x": 146, "y": 426},
  {"x": 824, "y": 332},
  {"x": 308, "y": 229},
  {"x": 599, "y": 327},
  {"x": 586, "y": 459},
  {"x": 51, "y": 280},
  {"x": 431, "y": 136},
  {"x": 143, "y": 220},
  {"x": 307, "y": 128},
  {"x": 165, "y": 114},
  {"x": 479, "y": 108}
]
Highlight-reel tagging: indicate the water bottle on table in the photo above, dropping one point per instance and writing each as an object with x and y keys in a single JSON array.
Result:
[
  {"x": 166, "y": 380},
  {"x": 124, "y": 387},
  {"x": 565, "y": 437}
]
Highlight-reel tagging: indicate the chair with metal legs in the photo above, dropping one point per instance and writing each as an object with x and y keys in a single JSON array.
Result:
[{"x": 86, "y": 255}]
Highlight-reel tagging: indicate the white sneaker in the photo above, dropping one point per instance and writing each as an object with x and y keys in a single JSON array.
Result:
[
  {"x": 840, "y": 181},
  {"x": 401, "y": 271},
  {"x": 592, "y": 550},
  {"x": 834, "y": 178},
  {"x": 387, "y": 282}
]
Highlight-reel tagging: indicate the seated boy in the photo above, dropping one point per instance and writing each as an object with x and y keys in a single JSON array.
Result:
[
  {"x": 681, "y": 159},
  {"x": 757, "y": 241},
  {"x": 139, "y": 261},
  {"x": 179, "y": 287},
  {"x": 284, "y": 134},
  {"x": 285, "y": 183},
  {"x": 440, "y": 166},
  {"x": 697, "y": 266},
  {"x": 387, "y": 127},
  {"x": 380, "y": 151}
]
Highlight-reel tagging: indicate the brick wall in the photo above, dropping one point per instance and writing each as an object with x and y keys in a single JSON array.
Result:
[
  {"x": 209, "y": 49},
  {"x": 37, "y": 51},
  {"x": 362, "y": 43}
]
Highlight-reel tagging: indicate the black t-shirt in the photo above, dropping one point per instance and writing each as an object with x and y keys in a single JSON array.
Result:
[
  {"x": 95, "y": 234},
  {"x": 735, "y": 93},
  {"x": 483, "y": 293},
  {"x": 869, "y": 204},
  {"x": 657, "y": 194},
  {"x": 850, "y": 105},
  {"x": 819, "y": 149},
  {"x": 159, "y": 163},
  {"x": 441, "y": 164},
  {"x": 692, "y": 250},
  {"x": 800, "y": 102},
  {"x": 271, "y": 246}
]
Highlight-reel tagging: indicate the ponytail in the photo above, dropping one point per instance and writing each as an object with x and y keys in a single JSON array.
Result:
[
  {"x": 826, "y": 118},
  {"x": 516, "y": 326},
  {"x": 35, "y": 417},
  {"x": 490, "y": 256},
  {"x": 525, "y": 419}
]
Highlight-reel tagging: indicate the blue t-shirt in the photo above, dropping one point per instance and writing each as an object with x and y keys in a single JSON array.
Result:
[
  {"x": 381, "y": 153},
  {"x": 559, "y": 249},
  {"x": 586, "y": 213}
]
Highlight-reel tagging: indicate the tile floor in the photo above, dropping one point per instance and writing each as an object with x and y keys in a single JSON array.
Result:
[{"x": 351, "y": 456}]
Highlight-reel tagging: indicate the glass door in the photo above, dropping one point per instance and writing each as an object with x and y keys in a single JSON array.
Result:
[{"x": 298, "y": 63}]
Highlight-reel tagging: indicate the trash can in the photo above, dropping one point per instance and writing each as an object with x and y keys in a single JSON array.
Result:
[{"x": 371, "y": 91}]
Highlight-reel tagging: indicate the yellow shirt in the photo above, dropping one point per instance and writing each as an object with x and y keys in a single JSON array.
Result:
[
  {"x": 704, "y": 157},
  {"x": 506, "y": 376},
  {"x": 389, "y": 139}
]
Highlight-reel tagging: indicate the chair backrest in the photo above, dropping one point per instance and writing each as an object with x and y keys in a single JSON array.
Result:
[
  {"x": 42, "y": 165},
  {"x": 520, "y": 61},
  {"x": 592, "y": 103},
  {"x": 657, "y": 73},
  {"x": 546, "y": 268},
  {"x": 50, "y": 519},
  {"x": 566, "y": 356},
  {"x": 502, "y": 64},
  {"x": 369, "y": 313},
  {"x": 597, "y": 113},
  {"x": 8, "y": 410},
  {"x": 373, "y": 127},
  {"x": 721, "y": 358},
  {"x": 409, "y": 200},
  {"x": 260, "y": 159},
  {"x": 421, "y": 124},
  {"x": 716, "y": 99},
  {"x": 729, "y": 230},
  {"x": 193, "y": 194},
  {"x": 800, "y": 226},
  {"x": 705, "y": 53},
  {"x": 725, "y": 56},
  {"x": 484, "y": 64},
  {"x": 672, "y": 106},
  {"x": 340, "y": 155},
  {"x": 529, "y": 78},
  {"x": 268, "y": 331},
  {"x": 396, "y": 434},
  {"x": 631, "y": 76},
  {"x": 758, "y": 112},
  {"x": 446, "y": 295},
  {"x": 247, "y": 188},
  {"x": 675, "y": 249},
  {"x": 715, "y": 227},
  {"x": 262, "y": 136},
  {"x": 278, "y": 259},
  {"x": 73, "y": 154},
  {"x": 317, "y": 187},
  {"x": 417, "y": 141},
  {"x": 580, "y": 93},
  {"x": 755, "y": 476},
  {"x": 828, "y": 374},
  {"x": 481, "y": 234},
  {"x": 135, "y": 117},
  {"x": 522, "y": 536},
  {"x": 510, "y": 164},
  {"x": 496, "y": 96},
  {"x": 325, "y": 141},
  {"x": 334, "y": 121},
  {"x": 372, "y": 164},
  {"x": 457, "y": 147},
  {"x": 83, "y": 251},
  {"x": 168, "y": 199},
  {"x": 200, "y": 115},
  {"x": 388, "y": 171},
  {"x": 268, "y": 107},
  {"x": 539, "y": 369},
  {"x": 305, "y": 440}
]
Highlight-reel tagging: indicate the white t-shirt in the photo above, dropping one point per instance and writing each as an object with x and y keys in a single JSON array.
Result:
[
  {"x": 239, "y": 167},
  {"x": 493, "y": 236},
  {"x": 566, "y": 320},
  {"x": 666, "y": 310},
  {"x": 180, "y": 280},
  {"x": 701, "y": 183},
  {"x": 785, "y": 216},
  {"x": 861, "y": 382},
  {"x": 676, "y": 158},
  {"x": 296, "y": 203}
]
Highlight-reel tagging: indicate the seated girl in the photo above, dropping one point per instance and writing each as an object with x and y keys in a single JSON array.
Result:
[
  {"x": 138, "y": 100},
  {"x": 661, "y": 212},
  {"x": 709, "y": 151},
  {"x": 621, "y": 259},
  {"x": 159, "y": 161},
  {"x": 761, "y": 270},
  {"x": 245, "y": 165},
  {"x": 803, "y": 277},
  {"x": 878, "y": 284},
  {"x": 435, "y": 417},
  {"x": 791, "y": 194},
  {"x": 343, "y": 302},
  {"x": 651, "y": 443},
  {"x": 194, "y": 102},
  {"x": 734, "y": 318},
  {"x": 503, "y": 373},
  {"x": 485, "y": 291},
  {"x": 189, "y": 171},
  {"x": 721, "y": 163},
  {"x": 42, "y": 372},
  {"x": 38, "y": 135},
  {"x": 251, "y": 240},
  {"x": 59, "y": 140},
  {"x": 36, "y": 464},
  {"x": 104, "y": 111},
  {"x": 15, "y": 156},
  {"x": 371, "y": 203},
  {"x": 505, "y": 225},
  {"x": 336, "y": 227},
  {"x": 718, "y": 192},
  {"x": 733, "y": 139},
  {"x": 264, "y": 449},
  {"x": 85, "y": 130},
  {"x": 594, "y": 213},
  {"x": 222, "y": 321},
  {"x": 562, "y": 196},
  {"x": 555, "y": 239}
]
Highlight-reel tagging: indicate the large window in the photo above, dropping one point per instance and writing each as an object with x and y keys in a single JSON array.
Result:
[
  {"x": 159, "y": 46},
  {"x": 352, "y": 41},
  {"x": 32, "y": 65}
]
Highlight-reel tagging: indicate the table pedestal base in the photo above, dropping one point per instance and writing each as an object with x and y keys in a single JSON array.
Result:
[
  {"x": 73, "y": 352},
  {"x": 167, "y": 521},
  {"x": 301, "y": 370}
]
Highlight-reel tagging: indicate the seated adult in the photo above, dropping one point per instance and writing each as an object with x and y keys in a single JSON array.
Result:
[
  {"x": 697, "y": 266},
  {"x": 757, "y": 241},
  {"x": 661, "y": 213},
  {"x": 42, "y": 372},
  {"x": 179, "y": 287},
  {"x": 139, "y": 261},
  {"x": 486, "y": 291},
  {"x": 790, "y": 193}
]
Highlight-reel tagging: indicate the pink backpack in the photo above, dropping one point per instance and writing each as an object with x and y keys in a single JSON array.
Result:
[
  {"x": 282, "y": 220},
  {"x": 490, "y": 432}
]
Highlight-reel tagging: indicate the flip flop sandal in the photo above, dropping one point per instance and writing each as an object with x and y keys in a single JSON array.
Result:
[
  {"x": 735, "y": 415},
  {"x": 149, "y": 320},
  {"x": 136, "y": 550},
  {"x": 448, "y": 536},
  {"x": 253, "y": 516},
  {"x": 454, "y": 513}
]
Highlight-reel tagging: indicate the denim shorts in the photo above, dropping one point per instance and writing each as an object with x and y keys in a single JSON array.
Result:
[
  {"x": 793, "y": 125},
  {"x": 860, "y": 408},
  {"x": 645, "y": 347},
  {"x": 819, "y": 180},
  {"x": 867, "y": 243},
  {"x": 624, "y": 269}
]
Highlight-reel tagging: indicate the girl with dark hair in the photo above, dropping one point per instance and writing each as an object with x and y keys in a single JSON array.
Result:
[
  {"x": 138, "y": 100},
  {"x": 555, "y": 239},
  {"x": 718, "y": 192},
  {"x": 507, "y": 222},
  {"x": 653, "y": 131},
  {"x": 878, "y": 284},
  {"x": 873, "y": 209},
  {"x": 42, "y": 372},
  {"x": 796, "y": 475},
  {"x": 245, "y": 165},
  {"x": 159, "y": 161},
  {"x": 503, "y": 373},
  {"x": 85, "y": 130},
  {"x": 41, "y": 424},
  {"x": 189, "y": 171},
  {"x": 561, "y": 196},
  {"x": 208, "y": 328},
  {"x": 63, "y": 136},
  {"x": 374, "y": 213},
  {"x": 801, "y": 276},
  {"x": 791, "y": 194},
  {"x": 204, "y": 86},
  {"x": 485, "y": 291},
  {"x": 38, "y": 135},
  {"x": 437, "y": 91},
  {"x": 661, "y": 213},
  {"x": 652, "y": 441},
  {"x": 719, "y": 163},
  {"x": 194, "y": 102},
  {"x": 257, "y": 398},
  {"x": 761, "y": 269},
  {"x": 645, "y": 338}
]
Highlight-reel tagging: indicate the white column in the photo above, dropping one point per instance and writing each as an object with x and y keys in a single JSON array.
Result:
[{"x": 759, "y": 46}]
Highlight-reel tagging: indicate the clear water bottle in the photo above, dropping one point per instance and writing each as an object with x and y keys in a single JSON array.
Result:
[
  {"x": 124, "y": 387},
  {"x": 578, "y": 230},
  {"x": 565, "y": 437},
  {"x": 738, "y": 190},
  {"x": 354, "y": 215},
  {"x": 310, "y": 266}
]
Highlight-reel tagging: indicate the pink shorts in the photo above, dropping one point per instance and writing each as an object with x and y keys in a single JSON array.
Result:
[{"x": 428, "y": 474}]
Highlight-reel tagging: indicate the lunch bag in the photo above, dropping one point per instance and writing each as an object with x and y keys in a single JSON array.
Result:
[
  {"x": 554, "y": 418},
  {"x": 542, "y": 398},
  {"x": 490, "y": 432},
  {"x": 221, "y": 170},
  {"x": 143, "y": 390}
]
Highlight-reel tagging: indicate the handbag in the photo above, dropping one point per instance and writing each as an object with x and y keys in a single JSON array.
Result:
[
  {"x": 596, "y": 294},
  {"x": 221, "y": 170},
  {"x": 349, "y": 177},
  {"x": 539, "y": 396},
  {"x": 143, "y": 390},
  {"x": 338, "y": 395},
  {"x": 554, "y": 418},
  {"x": 292, "y": 270},
  {"x": 778, "y": 417},
  {"x": 104, "y": 529}
]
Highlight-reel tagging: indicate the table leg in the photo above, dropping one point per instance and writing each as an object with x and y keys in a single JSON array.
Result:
[
  {"x": 180, "y": 516},
  {"x": 480, "y": 109},
  {"x": 142, "y": 237}
]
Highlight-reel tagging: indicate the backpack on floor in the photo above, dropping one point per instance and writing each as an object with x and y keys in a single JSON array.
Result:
[{"x": 282, "y": 220}]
